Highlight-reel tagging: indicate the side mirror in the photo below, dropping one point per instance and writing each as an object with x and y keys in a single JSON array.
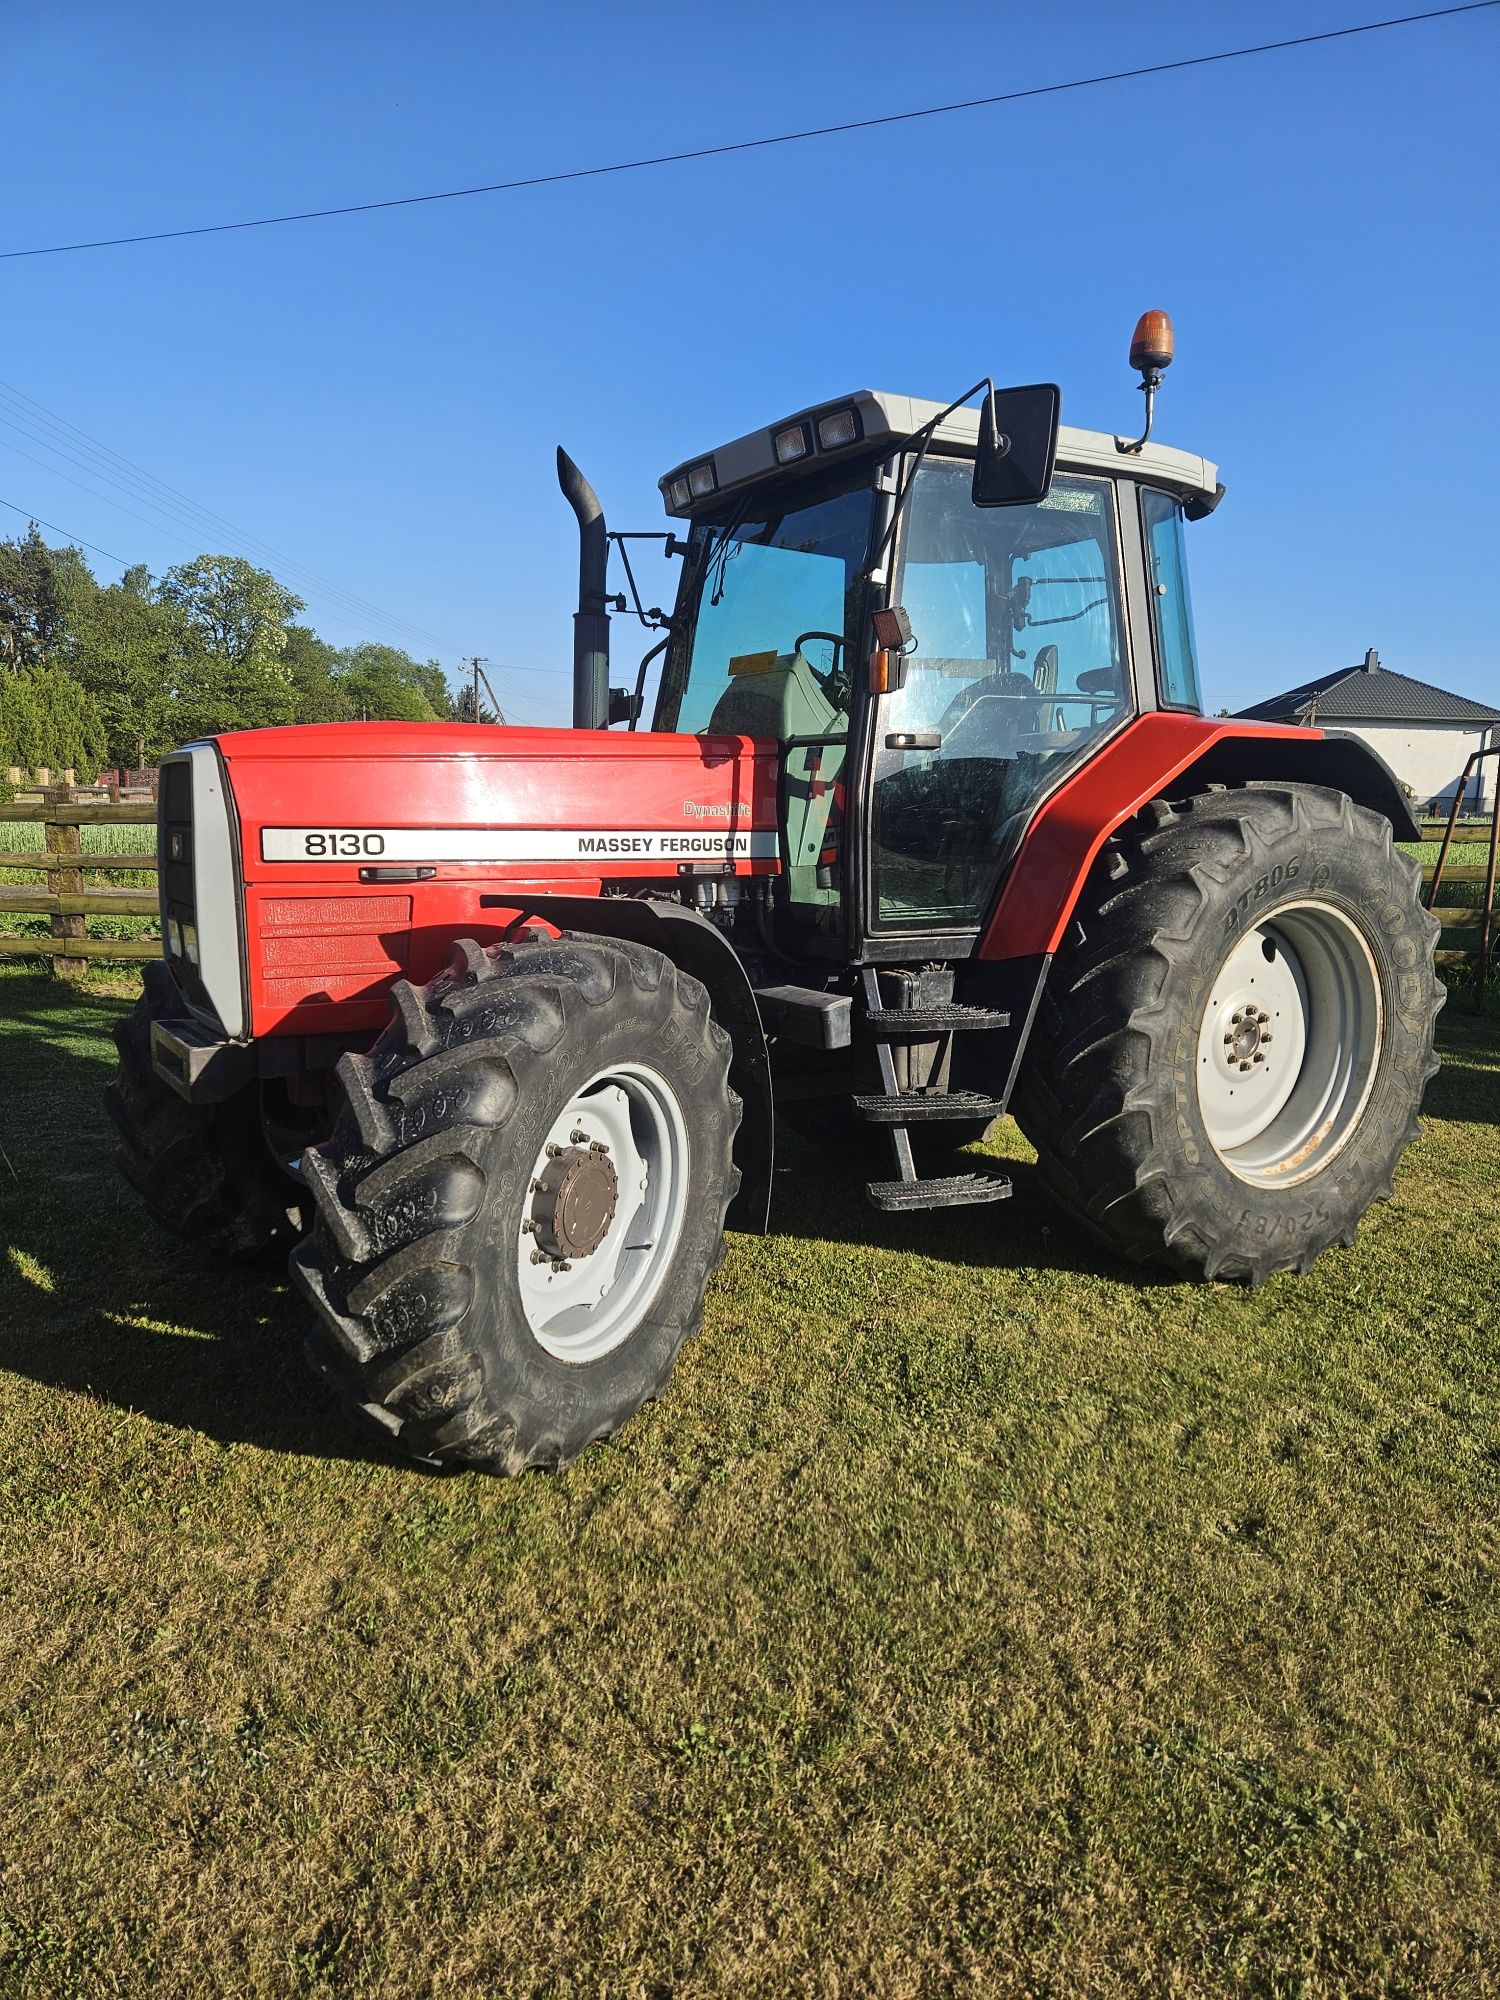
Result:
[
  {"x": 623, "y": 707},
  {"x": 1017, "y": 445}
]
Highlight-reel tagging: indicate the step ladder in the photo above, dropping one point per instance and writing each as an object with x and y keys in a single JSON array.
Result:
[{"x": 896, "y": 1109}]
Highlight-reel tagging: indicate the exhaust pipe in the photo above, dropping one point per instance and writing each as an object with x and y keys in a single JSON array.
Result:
[{"x": 591, "y": 620}]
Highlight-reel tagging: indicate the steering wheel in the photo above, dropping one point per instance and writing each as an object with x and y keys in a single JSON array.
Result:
[
  {"x": 835, "y": 639},
  {"x": 834, "y": 683},
  {"x": 998, "y": 686}
]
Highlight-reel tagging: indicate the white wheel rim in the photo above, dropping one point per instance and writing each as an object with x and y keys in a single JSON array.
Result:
[
  {"x": 581, "y": 1308},
  {"x": 1289, "y": 1045}
]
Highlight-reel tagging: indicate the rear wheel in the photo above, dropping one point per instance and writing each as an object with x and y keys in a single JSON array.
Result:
[
  {"x": 1231, "y": 1051},
  {"x": 219, "y": 1175},
  {"x": 522, "y": 1201}
]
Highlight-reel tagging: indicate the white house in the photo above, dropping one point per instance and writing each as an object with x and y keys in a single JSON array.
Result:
[{"x": 1425, "y": 734}]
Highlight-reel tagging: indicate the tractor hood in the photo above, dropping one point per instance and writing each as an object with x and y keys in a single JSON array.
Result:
[{"x": 364, "y": 849}]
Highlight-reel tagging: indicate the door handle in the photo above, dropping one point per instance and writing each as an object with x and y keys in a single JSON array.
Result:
[{"x": 914, "y": 739}]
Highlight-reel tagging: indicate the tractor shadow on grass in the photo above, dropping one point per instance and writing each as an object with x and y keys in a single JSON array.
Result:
[
  {"x": 94, "y": 1298},
  {"x": 819, "y": 1197},
  {"x": 818, "y": 1194},
  {"x": 177, "y": 1339}
]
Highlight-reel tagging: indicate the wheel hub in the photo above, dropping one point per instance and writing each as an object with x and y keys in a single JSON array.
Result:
[
  {"x": 575, "y": 1198},
  {"x": 1246, "y": 1036},
  {"x": 604, "y": 1212},
  {"x": 1288, "y": 1044}
]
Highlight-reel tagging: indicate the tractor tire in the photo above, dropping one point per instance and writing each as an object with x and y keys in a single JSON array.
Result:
[
  {"x": 1231, "y": 1048},
  {"x": 205, "y": 1172},
  {"x": 535, "y": 1108}
]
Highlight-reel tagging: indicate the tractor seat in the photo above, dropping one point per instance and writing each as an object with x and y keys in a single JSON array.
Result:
[{"x": 1099, "y": 680}]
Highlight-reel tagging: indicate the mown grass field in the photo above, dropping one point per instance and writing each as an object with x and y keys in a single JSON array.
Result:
[{"x": 976, "y": 1615}]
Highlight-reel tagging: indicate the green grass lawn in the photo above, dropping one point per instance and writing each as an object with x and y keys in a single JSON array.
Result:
[{"x": 975, "y": 1615}]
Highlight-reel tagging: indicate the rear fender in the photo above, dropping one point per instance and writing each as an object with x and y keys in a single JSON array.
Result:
[
  {"x": 1342, "y": 762},
  {"x": 700, "y": 949},
  {"x": 1165, "y": 755}
]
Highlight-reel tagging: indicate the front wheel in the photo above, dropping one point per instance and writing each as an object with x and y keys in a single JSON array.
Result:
[
  {"x": 522, "y": 1201},
  {"x": 1232, "y": 1047}
]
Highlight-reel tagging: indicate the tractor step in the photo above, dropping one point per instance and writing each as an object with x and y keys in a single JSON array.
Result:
[
  {"x": 956, "y": 1191},
  {"x": 923, "y": 1107},
  {"x": 933, "y": 1020}
]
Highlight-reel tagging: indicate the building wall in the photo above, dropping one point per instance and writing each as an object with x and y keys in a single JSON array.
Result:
[{"x": 1429, "y": 756}]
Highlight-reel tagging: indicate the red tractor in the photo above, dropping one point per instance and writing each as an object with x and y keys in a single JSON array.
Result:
[{"x": 488, "y": 1028}]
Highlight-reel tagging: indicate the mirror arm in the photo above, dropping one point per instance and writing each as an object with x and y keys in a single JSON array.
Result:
[{"x": 925, "y": 434}]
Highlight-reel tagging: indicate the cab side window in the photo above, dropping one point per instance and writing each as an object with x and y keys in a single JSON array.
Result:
[{"x": 1171, "y": 607}]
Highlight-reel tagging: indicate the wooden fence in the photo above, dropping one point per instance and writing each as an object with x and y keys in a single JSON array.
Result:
[
  {"x": 69, "y": 901},
  {"x": 63, "y": 895}
]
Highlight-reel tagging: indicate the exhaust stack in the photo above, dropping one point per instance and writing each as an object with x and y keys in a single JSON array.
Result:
[{"x": 591, "y": 620}]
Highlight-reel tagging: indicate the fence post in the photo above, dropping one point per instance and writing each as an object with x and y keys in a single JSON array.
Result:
[{"x": 66, "y": 842}]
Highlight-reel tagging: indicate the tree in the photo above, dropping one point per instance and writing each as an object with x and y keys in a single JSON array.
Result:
[
  {"x": 464, "y": 709},
  {"x": 211, "y": 695},
  {"x": 48, "y": 722},
  {"x": 236, "y": 612},
  {"x": 384, "y": 684},
  {"x": 126, "y": 649},
  {"x": 35, "y": 584},
  {"x": 309, "y": 663}
]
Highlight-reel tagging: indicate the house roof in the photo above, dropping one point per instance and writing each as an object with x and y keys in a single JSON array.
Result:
[{"x": 1369, "y": 693}]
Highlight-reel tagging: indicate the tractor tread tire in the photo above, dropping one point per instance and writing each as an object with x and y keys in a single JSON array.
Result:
[
  {"x": 203, "y": 1171},
  {"x": 1116, "y": 1132},
  {"x": 434, "y": 1137}
]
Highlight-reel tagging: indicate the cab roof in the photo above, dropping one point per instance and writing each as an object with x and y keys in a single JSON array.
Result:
[{"x": 883, "y": 419}]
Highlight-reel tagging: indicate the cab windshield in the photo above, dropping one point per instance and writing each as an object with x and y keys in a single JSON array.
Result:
[{"x": 774, "y": 599}]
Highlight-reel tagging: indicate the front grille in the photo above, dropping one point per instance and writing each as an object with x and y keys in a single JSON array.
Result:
[{"x": 175, "y": 860}]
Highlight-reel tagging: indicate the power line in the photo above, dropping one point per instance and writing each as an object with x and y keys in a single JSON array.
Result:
[
  {"x": 146, "y": 487},
  {"x": 27, "y": 514},
  {"x": 757, "y": 145}
]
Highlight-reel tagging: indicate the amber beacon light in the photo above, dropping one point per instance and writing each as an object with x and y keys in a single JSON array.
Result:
[{"x": 1151, "y": 351}]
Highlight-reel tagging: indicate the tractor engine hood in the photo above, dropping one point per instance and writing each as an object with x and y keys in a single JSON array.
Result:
[{"x": 364, "y": 849}]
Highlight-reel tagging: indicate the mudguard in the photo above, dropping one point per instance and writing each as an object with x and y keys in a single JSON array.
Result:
[{"x": 1164, "y": 755}]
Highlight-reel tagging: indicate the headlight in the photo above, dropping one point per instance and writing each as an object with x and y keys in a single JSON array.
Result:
[
  {"x": 679, "y": 492},
  {"x": 701, "y": 479},
  {"x": 791, "y": 444},
  {"x": 839, "y": 427}
]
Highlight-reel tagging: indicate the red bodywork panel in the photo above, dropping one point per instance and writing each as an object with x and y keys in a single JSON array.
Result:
[
  {"x": 559, "y": 810},
  {"x": 1074, "y": 823}
]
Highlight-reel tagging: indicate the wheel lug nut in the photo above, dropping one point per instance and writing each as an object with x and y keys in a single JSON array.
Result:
[
  {"x": 1244, "y": 1065},
  {"x": 537, "y": 1257},
  {"x": 579, "y": 1138},
  {"x": 1265, "y": 1038},
  {"x": 1259, "y": 1057},
  {"x": 554, "y": 1152},
  {"x": 527, "y": 1225}
]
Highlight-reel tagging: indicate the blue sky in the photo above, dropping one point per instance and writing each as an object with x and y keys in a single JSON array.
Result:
[{"x": 379, "y": 397}]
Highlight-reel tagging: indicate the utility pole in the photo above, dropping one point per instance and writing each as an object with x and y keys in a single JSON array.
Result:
[{"x": 476, "y": 661}]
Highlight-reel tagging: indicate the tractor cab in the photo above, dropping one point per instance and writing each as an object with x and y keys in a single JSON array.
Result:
[{"x": 933, "y": 661}]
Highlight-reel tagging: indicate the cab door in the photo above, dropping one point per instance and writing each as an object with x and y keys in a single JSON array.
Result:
[{"x": 1018, "y": 667}]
